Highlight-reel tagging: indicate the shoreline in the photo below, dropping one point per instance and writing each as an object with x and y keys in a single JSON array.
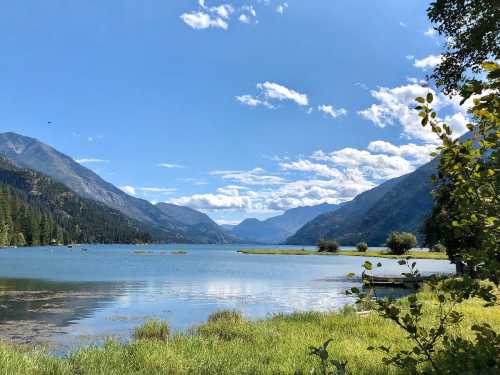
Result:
[{"x": 367, "y": 254}]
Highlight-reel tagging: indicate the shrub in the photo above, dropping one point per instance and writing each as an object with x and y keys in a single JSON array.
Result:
[
  {"x": 400, "y": 242},
  {"x": 152, "y": 330},
  {"x": 438, "y": 248},
  {"x": 362, "y": 247},
  {"x": 329, "y": 246}
]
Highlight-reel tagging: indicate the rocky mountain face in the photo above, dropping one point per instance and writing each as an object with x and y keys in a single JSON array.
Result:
[{"x": 30, "y": 153}]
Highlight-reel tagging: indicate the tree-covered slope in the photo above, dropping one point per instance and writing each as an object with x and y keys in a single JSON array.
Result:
[
  {"x": 35, "y": 210},
  {"x": 30, "y": 153},
  {"x": 400, "y": 204}
]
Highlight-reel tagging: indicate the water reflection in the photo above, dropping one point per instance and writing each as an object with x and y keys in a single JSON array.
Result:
[{"x": 108, "y": 291}]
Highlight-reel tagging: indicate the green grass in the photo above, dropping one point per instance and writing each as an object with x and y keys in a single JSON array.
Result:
[
  {"x": 152, "y": 330},
  {"x": 230, "y": 345},
  {"x": 369, "y": 253}
]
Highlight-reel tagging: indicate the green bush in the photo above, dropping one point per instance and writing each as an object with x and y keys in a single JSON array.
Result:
[
  {"x": 362, "y": 247},
  {"x": 152, "y": 330},
  {"x": 400, "y": 242},
  {"x": 329, "y": 246},
  {"x": 438, "y": 248}
]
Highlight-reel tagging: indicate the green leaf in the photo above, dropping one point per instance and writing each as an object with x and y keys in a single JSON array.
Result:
[
  {"x": 367, "y": 266},
  {"x": 420, "y": 100},
  {"x": 429, "y": 97}
]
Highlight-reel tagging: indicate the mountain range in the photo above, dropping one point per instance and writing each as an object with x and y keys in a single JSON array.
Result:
[
  {"x": 399, "y": 204},
  {"x": 278, "y": 228},
  {"x": 169, "y": 222}
]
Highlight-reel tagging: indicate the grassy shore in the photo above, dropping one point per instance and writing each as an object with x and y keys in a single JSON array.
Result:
[
  {"x": 369, "y": 253},
  {"x": 228, "y": 344}
]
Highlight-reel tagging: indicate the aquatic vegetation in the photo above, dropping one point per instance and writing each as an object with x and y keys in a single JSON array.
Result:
[{"x": 179, "y": 252}]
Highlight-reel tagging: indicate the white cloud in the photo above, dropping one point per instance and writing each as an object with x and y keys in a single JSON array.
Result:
[
  {"x": 332, "y": 112},
  {"x": 252, "y": 101},
  {"x": 308, "y": 166},
  {"x": 419, "y": 154},
  {"x": 213, "y": 201},
  {"x": 402, "y": 24},
  {"x": 373, "y": 166},
  {"x": 244, "y": 18},
  {"x": 430, "y": 32},
  {"x": 256, "y": 176},
  {"x": 128, "y": 189},
  {"x": 201, "y": 20},
  {"x": 170, "y": 166},
  {"x": 91, "y": 160},
  {"x": 279, "y": 92},
  {"x": 270, "y": 91},
  {"x": 396, "y": 106},
  {"x": 223, "y": 11},
  {"x": 428, "y": 62}
]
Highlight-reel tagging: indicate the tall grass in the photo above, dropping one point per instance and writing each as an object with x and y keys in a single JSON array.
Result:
[{"x": 227, "y": 344}]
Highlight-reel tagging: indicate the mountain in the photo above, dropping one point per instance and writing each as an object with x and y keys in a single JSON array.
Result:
[
  {"x": 197, "y": 223},
  {"x": 36, "y": 210},
  {"x": 30, "y": 153},
  {"x": 399, "y": 204},
  {"x": 277, "y": 229}
]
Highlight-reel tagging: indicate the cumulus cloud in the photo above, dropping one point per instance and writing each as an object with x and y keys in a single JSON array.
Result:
[
  {"x": 373, "y": 166},
  {"x": 91, "y": 160},
  {"x": 332, "y": 112},
  {"x": 396, "y": 106},
  {"x": 213, "y": 201},
  {"x": 308, "y": 166},
  {"x": 428, "y": 62},
  {"x": 418, "y": 154},
  {"x": 244, "y": 18},
  {"x": 402, "y": 24},
  {"x": 202, "y": 20}
]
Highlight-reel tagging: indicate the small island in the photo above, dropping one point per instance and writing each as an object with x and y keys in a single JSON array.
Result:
[{"x": 414, "y": 254}]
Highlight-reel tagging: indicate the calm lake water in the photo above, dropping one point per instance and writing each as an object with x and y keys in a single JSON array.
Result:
[{"x": 72, "y": 297}]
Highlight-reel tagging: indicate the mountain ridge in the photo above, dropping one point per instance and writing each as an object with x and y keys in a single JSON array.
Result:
[{"x": 30, "y": 153}]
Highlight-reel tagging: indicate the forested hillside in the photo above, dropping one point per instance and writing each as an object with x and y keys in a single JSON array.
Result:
[{"x": 35, "y": 210}]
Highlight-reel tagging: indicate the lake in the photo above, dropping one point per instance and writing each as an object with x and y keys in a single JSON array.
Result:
[{"x": 69, "y": 297}]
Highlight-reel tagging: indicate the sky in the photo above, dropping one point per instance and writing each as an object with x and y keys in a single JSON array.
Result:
[{"x": 236, "y": 108}]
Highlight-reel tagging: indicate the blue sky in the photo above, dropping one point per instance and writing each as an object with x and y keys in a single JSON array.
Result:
[{"x": 238, "y": 108}]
